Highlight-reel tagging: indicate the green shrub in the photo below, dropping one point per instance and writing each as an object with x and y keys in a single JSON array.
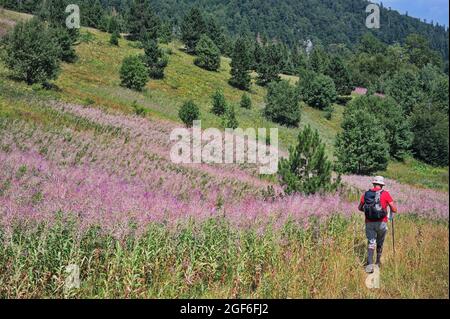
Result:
[
  {"x": 282, "y": 104},
  {"x": 133, "y": 73},
  {"x": 362, "y": 147},
  {"x": 31, "y": 52},
  {"x": 318, "y": 90}
]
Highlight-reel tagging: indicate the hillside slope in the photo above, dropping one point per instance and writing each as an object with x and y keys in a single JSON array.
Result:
[{"x": 94, "y": 80}]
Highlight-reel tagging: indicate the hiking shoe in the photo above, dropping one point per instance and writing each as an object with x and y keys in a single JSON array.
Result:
[{"x": 369, "y": 269}]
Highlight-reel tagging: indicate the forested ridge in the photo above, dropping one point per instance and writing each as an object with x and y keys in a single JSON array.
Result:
[{"x": 289, "y": 21}]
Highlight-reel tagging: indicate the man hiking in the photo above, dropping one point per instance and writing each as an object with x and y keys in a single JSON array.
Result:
[{"x": 375, "y": 204}]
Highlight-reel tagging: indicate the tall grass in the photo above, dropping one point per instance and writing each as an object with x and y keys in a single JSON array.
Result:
[{"x": 213, "y": 259}]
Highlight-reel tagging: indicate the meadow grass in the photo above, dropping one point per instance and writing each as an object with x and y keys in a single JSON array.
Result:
[
  {"x": 214, "y": 260},
  {"x": 419, "y": 174}
]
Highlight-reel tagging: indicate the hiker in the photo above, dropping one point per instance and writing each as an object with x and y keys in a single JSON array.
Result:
[{"x": 375, "y": 203}]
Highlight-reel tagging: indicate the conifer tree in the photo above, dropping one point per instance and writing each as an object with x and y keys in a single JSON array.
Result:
[
  {"x": 142, "y": 22},
  {"x": 154, "y": 58},
  {"x": 229, "y": 119},
  {"x": 307, "y": 170},
  {"x": 269, "y": 68},
  {"x": 188, "y": 113},
  {"x": 208, "y": 55},
  {"x": 246, "y": 101},
  {"x": 219, "y": 104},
  {"x": 340, "y": 74},
  {"x": 240, "y": 66},
  {"x": 192, "y": 28}
]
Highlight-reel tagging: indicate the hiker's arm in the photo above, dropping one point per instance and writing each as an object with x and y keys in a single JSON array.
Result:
[
  {"x": 361, "y": 207},
  {"x": 393, "y": 207}
]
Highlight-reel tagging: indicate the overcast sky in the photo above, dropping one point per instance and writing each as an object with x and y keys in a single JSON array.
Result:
[{"x": 436, "y": 10}]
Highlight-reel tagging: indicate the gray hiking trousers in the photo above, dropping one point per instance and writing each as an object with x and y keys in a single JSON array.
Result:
[{"x": 376, "y": 234}]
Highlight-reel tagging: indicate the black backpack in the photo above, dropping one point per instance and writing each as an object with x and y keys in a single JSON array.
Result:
[{"x": 372, "y": 205}]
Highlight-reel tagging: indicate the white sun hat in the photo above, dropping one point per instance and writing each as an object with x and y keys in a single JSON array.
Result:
[{"x": 379, "y": 180}]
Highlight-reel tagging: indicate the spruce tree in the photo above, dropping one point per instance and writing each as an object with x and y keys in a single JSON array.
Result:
[
  {"x": 219, "y": 104},
  {"x": 192, "y": 28},
  {"x": 188, "y": 113},
  {"x": 154, "y": 58},
  {"x": 319, "y": 60},
  {"x": 246, "y": 101},
  {"x": 307, "y": 170},
  {"x": 208, "y": 55},
  {"x": 362, "y": 147},
  {"x": 142, "y": 22},
  {"x": 269, "y": 68},
  {"x": 229, "y": 119},
  {"x": 31, "y": 52},
  {"x": 240, "y": 66}
]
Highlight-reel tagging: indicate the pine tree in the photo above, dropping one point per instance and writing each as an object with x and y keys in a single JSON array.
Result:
[
  {"x": 361, "y": 148},
  {"x": 154, "y": 58},
  {"x": 67, "y": 52},
  {"x": 94, "y": 14},
  {"x": 114, "y": 40},
  {"x": 188, "y": 113},
  {"x": 319, "y": 60},
  {"x": 208, "y": 55},
  {"x": 219, "y": 104},
  {"x": 142, "y": 22},
  {"x": 192, "y": 28},
  {"x": 269, "y": 68},
  {"x": 307, "y": 170},
  {"x": 282, "y": 104},
  {"x": 31, "y": 52},
  {"x": 240, "y": 66},
  {"x": 215, "y": 32},
  {"x": 258, "y": 56},
  {"x": 229, "y": 119}
]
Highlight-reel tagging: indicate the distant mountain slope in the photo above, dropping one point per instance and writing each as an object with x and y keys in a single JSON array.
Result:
[{"x": 292, "y": 21}]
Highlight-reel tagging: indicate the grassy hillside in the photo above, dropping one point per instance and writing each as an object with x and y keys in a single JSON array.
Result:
[{"x": 94, "y": 80}]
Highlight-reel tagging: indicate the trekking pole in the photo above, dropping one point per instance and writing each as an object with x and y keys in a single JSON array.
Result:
[{"x": 393, "y": 230}]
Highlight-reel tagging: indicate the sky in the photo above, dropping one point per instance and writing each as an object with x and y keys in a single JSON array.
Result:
[{"x": 436, "y": 10}]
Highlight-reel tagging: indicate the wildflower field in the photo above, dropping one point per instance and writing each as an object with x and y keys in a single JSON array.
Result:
[
  {"x": 102, "y": 193},
  {"x": 85, "y": 182}
]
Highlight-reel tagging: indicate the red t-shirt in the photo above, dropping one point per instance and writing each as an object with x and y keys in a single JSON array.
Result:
[{"x": 385, "y": 199}]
